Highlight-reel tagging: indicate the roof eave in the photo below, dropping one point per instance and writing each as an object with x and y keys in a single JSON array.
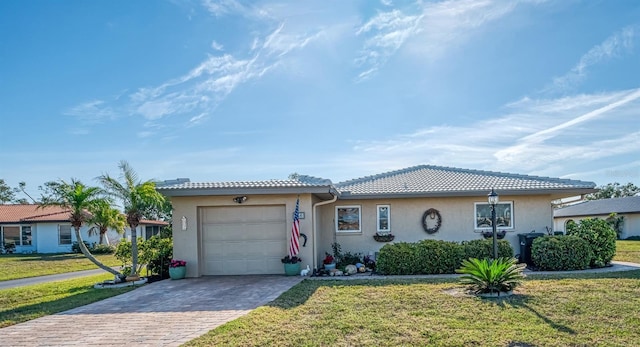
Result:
[
  {"x": 555, "y": 193},
  {"x": 255, "y": 191}
]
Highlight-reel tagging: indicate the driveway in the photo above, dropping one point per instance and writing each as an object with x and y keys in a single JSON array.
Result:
[{"x": 165, "y": 313}]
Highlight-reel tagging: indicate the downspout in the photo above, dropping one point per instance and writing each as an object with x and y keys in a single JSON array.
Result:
[{"x": 315, "y": 221}]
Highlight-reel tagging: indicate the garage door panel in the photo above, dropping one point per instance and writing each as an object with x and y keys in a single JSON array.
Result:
[{"x": 243, "y": 240}]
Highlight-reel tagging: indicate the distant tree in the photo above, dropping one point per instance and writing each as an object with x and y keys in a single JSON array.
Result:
[
  {"x": 614, "y": 190},
  {"x": 294, "y": 176},
  {"x": 139, "y": 200},
  {"x": 105, "y": 217},
  {"x": 22, "y": 189},
  {"x": 6, "y": 193},
  {"x": 79, "y": 199}
]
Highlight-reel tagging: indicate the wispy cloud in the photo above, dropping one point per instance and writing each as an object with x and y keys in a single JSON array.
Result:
[
  {"x": 432, "y": 28},
  {"x": 94, "y": 111},
  {"x": 217, "y": 46},
  {"x": 221, "y": 8},
  {"x": 540, "y": 136},
  {"x": 614, "y": 46}
]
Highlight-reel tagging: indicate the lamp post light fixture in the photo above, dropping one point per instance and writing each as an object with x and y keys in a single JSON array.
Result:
[{"x": 493, "y": 201}]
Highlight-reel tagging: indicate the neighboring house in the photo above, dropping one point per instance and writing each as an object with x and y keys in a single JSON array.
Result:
[
  {"x": 230, "y": 228},
  {"x": 628, "y": 207},
  {"x": 48, "y": 230}
]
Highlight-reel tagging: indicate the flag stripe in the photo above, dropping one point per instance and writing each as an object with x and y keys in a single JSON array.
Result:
[{"x": 294, "y": 245}]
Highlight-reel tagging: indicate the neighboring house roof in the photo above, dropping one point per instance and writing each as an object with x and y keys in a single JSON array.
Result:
[
  {"x": 32, "y": 213},
  {"x": 428, "y": 180},
  {"x": 424, "y": 180},
  {"x": 303, "y": 184},
  {"x": 601, "y": 207}
]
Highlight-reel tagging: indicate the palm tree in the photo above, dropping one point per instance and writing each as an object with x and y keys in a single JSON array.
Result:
[
  {"x": 79, "y": 199},
  {"x": 105, "y": 217},
  {"x": 139, "y": 200}
]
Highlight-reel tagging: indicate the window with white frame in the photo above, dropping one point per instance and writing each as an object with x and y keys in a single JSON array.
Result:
[
  {"x": 384, "y": 219},
  {"x": 348, "y": 219},
  {"x": 64, "y": 234},
  {"x": 151, "y": 230},
  {"x": 504, "y": 215},
  {"x": 26, "y": 235}
]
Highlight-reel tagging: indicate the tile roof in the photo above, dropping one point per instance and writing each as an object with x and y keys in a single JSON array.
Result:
[
  {"x": 302, "y": 181},
  {"x": 31, "y": 213},
  {"x": 435, "y": 180},
  {"x": 601, "y": 207}
]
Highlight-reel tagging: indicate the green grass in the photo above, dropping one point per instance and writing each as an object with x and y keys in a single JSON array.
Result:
[
  {"x": 25, "y": 303},
  {"x": 15, "y": 266},
  {"x": 596, "y": 309},
  {"x": 627, "y": 251}
]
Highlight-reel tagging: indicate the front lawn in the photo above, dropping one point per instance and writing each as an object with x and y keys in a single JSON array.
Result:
[
  {"x": 589, "y": 309},
  {"x": 627, "y": 251},
  {"x": 25, "y": 303},
  {"x": 15, "y": 266}
]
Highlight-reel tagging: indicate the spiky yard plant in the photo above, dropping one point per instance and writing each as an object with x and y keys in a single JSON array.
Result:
[{"x": 491, "y": 276}]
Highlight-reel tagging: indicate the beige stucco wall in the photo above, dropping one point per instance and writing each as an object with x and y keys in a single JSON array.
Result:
[
  {"x": 630, "y": 227},
  {"x": 530, "y": 213},
  {"x": 186, "y": 242}
]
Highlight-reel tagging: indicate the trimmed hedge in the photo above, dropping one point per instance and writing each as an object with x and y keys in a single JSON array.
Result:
[
  {"x": 600, "y": 236},
  {"x": 557, "y": 253},
  {"x": 484, "y": 249},
  {"x": 434, "y": 256}
]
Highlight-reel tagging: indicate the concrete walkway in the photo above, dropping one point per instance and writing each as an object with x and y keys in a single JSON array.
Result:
[{"x": 165, "y": 313}]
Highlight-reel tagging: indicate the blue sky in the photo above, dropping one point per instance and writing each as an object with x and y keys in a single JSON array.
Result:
[{"x": 250, "y": 90}]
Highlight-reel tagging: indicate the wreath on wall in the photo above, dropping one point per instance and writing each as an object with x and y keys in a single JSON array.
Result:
[{"x": 431, "y": 214}]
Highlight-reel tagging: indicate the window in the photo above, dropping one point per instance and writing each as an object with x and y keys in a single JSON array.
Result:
[
  {"x": 504, "y": 215},
  {"x": 150, "y": 231},
  {"x": 26, "y": 235},
  {"x": 384, "y": 219},
  {"x": 348, "y": 219},
  {"x": 11, "y": 235},
  {"x": 64, "y": 234}
]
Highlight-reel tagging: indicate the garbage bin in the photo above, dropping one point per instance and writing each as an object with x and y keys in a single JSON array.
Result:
[{"x": 526, "y": 240}]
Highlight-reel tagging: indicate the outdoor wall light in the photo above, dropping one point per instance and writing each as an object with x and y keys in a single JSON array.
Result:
[
  {"x": 183, "y": 220},
  {"x": 240, "y": 199},
  {"x": 493, "y": 201}
]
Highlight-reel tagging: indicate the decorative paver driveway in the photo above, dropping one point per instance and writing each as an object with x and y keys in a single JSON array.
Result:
[{"x": 165, "y": 313}]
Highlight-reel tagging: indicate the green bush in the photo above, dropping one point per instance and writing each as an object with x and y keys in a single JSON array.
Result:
[
  {"x": 397, "y": 259},
  {"x": 484, "y": 249},
  {"x": 437, "y": 256},
  {"x": 75, "y": 247},
  {"x": 601, "y": 238},
  {"x": 156, "y": 252},
  {"x": 558, "y": 253},
  {"x": 103, "y": 249}
]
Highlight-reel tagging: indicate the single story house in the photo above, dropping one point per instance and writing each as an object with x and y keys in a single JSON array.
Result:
[
  {"x": 48, "y": 230},
  {"x": 628, "y": 207},
  {"x": 233, "y": 228}
]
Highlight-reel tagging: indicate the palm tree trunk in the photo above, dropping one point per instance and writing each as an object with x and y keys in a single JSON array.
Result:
[
  {"x": 134, "y": 250},
  {"x": 101, "y": 237},
  {"x": 90, "y": 256}
]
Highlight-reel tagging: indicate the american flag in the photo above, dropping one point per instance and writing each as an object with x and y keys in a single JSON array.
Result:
[{"x": 294, "y": 245}]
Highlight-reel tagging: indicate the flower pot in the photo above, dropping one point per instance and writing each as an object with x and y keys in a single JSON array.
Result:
[
  {"x": 330, "y": 266},
  {"x": 291, "y": 269},
  {"x": 177, "y": 273}
]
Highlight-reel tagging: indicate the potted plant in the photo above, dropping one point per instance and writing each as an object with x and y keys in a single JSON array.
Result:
[
  {"x": 177, "y": 269},
  {"x": 291, "y": 265},
  {"x": 328, "y": 262}
]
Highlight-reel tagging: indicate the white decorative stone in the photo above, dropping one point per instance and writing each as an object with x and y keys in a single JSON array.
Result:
[{"x": 351, "y": 269}]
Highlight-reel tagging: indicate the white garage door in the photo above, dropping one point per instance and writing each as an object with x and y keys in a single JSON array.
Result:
[{"x": 243, "y": 240}]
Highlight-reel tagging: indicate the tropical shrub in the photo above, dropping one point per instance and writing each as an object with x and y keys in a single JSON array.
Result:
[
  {"x": 397, "y": 259},
  {"x": 75, "y": 247},
  {"x": 484, "y": 249},
  {"x": 491, "y": 276},
  {"x": 437, "y": 256},
  {"x": 103, "y": 249},
  {"x": 156, "y": 252},
  {"x": 558, "y": 253},
  {"x": 601, "y": 238}
]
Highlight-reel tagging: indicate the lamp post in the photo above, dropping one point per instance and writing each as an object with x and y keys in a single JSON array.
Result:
[{"x": 493, "y": 201}]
